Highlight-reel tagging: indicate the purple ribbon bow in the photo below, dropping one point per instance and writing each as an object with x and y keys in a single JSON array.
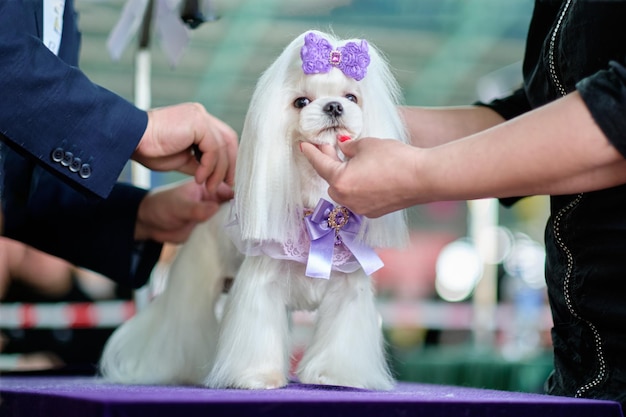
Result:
[
  {"x": 319, "y": 57},
  {"x": 329, "y": 226}
]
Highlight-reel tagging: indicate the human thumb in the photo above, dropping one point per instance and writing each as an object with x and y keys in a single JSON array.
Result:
[
  {"x": 347, "y": 146},
  {"x": 203, "y": 210},
  {"x": 194, "y": 205}
]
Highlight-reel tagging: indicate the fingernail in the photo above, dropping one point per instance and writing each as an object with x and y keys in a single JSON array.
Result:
[{"x": 343, "y": 138}]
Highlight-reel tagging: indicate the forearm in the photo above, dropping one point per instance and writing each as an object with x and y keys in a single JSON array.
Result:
[
  {"x": 556, "y": 149},
  {"x": 430, "y": 127},
  {"x": 101, "y": 236},
  {"x": 50, "y": 107}
]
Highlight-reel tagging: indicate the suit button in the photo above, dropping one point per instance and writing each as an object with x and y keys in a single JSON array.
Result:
[
  {"x": 75, "y": 165},
  {"x": 57, "y": 154},
  {"x": 67, "y": 159},
  {"x": 85, "y": 171}
]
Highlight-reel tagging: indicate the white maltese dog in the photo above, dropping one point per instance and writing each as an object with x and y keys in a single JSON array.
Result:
[{"x": 301, "y": 251}]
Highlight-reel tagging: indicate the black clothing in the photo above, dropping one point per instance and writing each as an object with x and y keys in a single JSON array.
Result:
[{"x": 578, "y": 45}]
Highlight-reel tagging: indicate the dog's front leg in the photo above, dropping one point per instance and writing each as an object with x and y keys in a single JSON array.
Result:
[
  {"x": 252, "y": 347},
  {"x": 347, "y": 347}
]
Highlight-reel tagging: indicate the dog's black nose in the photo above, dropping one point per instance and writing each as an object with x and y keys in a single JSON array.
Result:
[{"x": 333, "y": 108}]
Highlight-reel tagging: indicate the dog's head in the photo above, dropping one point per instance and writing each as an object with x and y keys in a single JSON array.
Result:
[
  {"x": 318, "y": 88},
  {"x": 327, "y": 99}
]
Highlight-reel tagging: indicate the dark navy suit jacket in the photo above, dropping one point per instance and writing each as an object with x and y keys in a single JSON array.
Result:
[{"x": 65, "y": 143}]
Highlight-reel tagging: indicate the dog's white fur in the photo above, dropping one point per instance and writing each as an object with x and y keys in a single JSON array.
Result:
[{"x": 175, "y": 340}]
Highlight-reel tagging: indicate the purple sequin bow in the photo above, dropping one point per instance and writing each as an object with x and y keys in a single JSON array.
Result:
[
  {"x": 329, "y": 226},
  {"x": 319, "y": 57}
]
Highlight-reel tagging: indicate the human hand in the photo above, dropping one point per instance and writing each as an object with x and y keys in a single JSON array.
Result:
[
  {"x": 167, "y": 142},
  {"x": 377, "y": 178},
  {"x": 169, "y": 213}
]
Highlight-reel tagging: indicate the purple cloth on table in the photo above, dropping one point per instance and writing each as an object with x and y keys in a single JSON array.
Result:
[{"x": 86, "y": 396}]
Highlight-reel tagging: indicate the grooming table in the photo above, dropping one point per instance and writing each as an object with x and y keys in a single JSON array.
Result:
[{"x": 69, "y": 396}]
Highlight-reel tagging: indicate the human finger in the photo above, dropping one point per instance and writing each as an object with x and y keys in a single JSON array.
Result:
[
  {"x": 218, "y": 151},
  {"x": 321, "y": 159},
  {"x": 224, "y": 192},
  {"x": 193, "y": 206},
  {"x": 203, "y": 210},
  {"x": 219, "y": 173},
  {"x": 183, "y": 162},
  {"x": 210, "y": 150},
  {"x": 232, "y": 144},
  {"x": 330, "y": 151}
]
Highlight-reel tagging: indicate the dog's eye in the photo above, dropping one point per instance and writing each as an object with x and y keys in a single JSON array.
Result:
[
  {"x": 352, "y": 98},
  {"x": 301, "y": 102}
]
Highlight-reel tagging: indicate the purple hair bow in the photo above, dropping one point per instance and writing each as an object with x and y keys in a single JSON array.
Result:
[
  {"x": 319, "y": 57},
  {"x": 329, "y": 226}
]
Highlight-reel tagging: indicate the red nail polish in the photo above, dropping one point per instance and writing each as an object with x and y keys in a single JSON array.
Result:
[{"x": 343, "y": 138}]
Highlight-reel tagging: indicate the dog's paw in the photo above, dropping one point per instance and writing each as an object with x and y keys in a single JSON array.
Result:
[
  {"x": 249, "y": 380},
  {"x": 328, "y": 380},
  {"x": 381, "y": 382},
  {"x": 266, "y": 380}
]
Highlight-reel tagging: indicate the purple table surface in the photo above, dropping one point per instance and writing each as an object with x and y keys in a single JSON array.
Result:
[{"x": 87, "y": 396}]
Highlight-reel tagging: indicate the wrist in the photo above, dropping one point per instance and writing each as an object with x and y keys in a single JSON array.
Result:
[
  {"x": 141, "y": 229},
  {"x": 423, "y": 189},
  {"x": 141, "y": 233},
  {"x": 144, "y": 141}
]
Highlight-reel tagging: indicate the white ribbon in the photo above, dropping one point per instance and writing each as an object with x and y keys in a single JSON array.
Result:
[{"x": 170, "y": 29}]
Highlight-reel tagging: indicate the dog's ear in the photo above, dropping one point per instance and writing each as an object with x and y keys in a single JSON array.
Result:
[{"x": 266, "y": 194}]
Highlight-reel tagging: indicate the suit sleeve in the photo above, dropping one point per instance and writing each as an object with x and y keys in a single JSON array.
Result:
[
  {"x": 68, "y": 140},
  {"x": 90, "y": 232},
  {"x": 50, "y": 111}
]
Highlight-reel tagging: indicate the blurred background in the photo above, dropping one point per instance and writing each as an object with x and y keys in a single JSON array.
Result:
[{"x": 464, "y": 304}]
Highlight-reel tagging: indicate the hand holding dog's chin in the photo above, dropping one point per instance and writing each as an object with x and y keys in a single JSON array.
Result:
[{"x": 378, "y": 177}]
